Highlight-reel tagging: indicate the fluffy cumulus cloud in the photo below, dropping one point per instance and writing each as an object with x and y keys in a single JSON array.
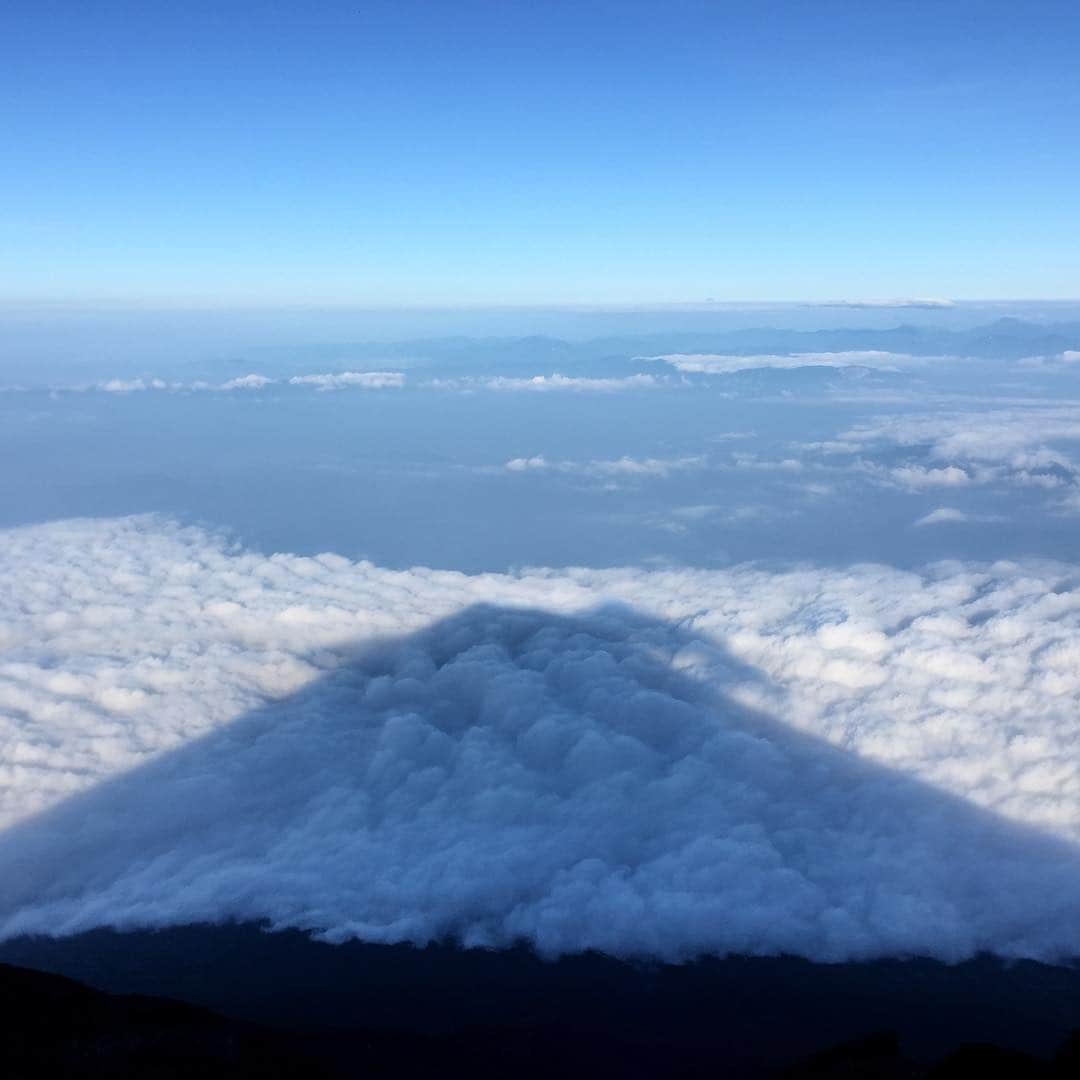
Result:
[
  {"x": 703, "y": 364},
  {"x": 1026, "y": 446},
  {"x": 828, "y": 762}
]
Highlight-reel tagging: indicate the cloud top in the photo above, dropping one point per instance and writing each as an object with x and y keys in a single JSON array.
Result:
[{"x": 835, "y": 763}]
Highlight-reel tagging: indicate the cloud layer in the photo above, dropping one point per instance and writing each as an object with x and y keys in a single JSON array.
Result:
[
  {"x": 548, "y": 383},
  {"x": 925, "y": 302},
  {"x": 833, "y": 763},
  {"x": 366, "y": 380},
  {"x": 710, "y": 364},
  {"x": 614, "y": 469},
  {"x": 382, "y": 380}
]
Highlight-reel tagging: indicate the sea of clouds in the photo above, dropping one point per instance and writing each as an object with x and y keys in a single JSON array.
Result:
[
  {"x": 801, "y": 675},
  {"x": 835, "y": 762}
]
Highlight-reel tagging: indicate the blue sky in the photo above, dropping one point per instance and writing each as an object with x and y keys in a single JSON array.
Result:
[{"x": 376, "y": 153}]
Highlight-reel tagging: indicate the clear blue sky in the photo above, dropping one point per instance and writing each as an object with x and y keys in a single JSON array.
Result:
[{"x": 537, "y": 151}]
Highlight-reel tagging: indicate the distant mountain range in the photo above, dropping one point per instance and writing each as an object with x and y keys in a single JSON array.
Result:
[{"x": 1003, "y": 339}]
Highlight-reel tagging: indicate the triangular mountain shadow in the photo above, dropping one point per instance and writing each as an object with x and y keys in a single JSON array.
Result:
[{"x": 510, "y": 775}]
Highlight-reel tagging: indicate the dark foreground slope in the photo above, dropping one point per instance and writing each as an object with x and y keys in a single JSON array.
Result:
[
  {"x": 290, "y": 1006},
  {"x": 55, "y": 1027}
]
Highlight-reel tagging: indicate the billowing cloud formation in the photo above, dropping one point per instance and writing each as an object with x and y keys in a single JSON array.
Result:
[
  {"x": 624, "y": 467},
  {"x": 1012, "y": 445},
  {"x": 993, "y": 435},
  {"x": 368, "y": 380},
  {"x": 702, "y": 364},
  {"x": 828, "y": 762}
]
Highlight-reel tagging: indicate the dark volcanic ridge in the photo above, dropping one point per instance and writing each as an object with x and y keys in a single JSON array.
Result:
[{"x": 281, "y": 1004}]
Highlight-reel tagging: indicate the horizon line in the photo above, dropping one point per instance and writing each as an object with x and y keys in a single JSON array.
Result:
[{"x": 16, "y": 306}]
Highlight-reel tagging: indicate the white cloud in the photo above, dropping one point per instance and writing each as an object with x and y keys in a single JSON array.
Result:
[
  {"x": 613, "y": 468},
  {"x": 1012, "y": 446},
  {"x": 731, "y": 436},
  {"x": 369, "y": 380},
  {"x": 943, "y": 515},
  {"x": 1063, "y": 361},
  {"x": 380, "y": 380},
  {"x": 752, "y": 461},
  {"x": 712, "y": 364},
  {"x": 366, "y": 380},
  {"x": 538, "y": 463},
  {"x": 828, "y": 762},
  {"x": 545, "y": 383},
  {"x": 994, "y": 435},
  {"x": 918, "y": 478},
  {"x": 247, "y": 382},
  {"x": 129, "y": 386}
]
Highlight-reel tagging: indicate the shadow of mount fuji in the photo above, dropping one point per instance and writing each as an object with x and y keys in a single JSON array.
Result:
[{"x": 524, "y": 781}]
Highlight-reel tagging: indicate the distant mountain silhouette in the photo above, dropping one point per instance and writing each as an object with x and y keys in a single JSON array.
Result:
[
  {"x": 1003, "y": 339},
  {"x": 287, "y": 1007}
]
